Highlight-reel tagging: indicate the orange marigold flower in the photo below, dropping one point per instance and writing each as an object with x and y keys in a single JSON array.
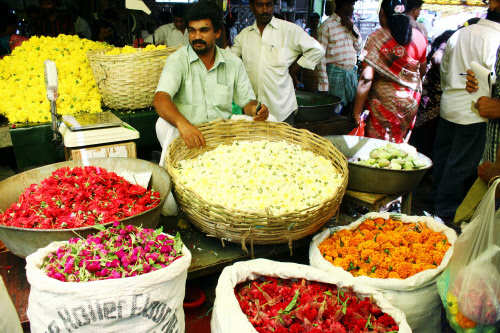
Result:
[
  {"x": 385, "y": 248},
  {"x": 381, "y": 273},
  {"x": 465, "y": 322}
]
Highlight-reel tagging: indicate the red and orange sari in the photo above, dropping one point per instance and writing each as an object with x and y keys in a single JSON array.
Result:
[{"x": 396, "y": 88}]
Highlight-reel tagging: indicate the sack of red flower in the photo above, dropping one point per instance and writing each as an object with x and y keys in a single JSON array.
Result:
[
  {"x": 78, "y": 197},
  {"x": 122, "y": 279},
  {"x": 400, "y": 256},
  {"x": 276, "y": 297}
]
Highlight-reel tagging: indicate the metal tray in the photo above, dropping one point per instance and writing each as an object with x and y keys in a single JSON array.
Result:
[
  {"x": 376, "y": 180},
  {"x": 22, "y": 241}
]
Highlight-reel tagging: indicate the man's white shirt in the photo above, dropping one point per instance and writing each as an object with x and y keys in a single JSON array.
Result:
[
  {"x": 477, "y": 42},
  {"x": 169, "y": 35},
  {"x": 268, "y": 57}
]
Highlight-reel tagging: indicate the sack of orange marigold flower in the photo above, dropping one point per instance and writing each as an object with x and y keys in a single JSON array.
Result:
[
  {"x": 122, "y": 279},
  {"x": 399, "y": 255},
  {"x": 267, "y": 296}
]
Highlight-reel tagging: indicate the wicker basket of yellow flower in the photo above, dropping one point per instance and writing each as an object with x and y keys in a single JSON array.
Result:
[
  {"x": 258, "y": 182},
  {"x": 127, "y": 77}
]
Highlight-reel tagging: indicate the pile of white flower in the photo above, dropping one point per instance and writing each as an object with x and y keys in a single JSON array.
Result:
[{"x": 260, "y": 176}]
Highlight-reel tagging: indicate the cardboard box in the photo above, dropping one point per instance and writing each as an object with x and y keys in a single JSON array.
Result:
[{"x": 121, "y": 149}]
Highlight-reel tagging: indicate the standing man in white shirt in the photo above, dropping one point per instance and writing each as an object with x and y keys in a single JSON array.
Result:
[
  {"x": 461, "y": 132},
  {"x": 268, "y": 48},
  {"x": 171, "y": 34},
  {"x": 342, "y": 42}
]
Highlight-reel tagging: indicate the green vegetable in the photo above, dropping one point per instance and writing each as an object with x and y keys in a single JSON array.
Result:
[
  {"x": 392, "y": 157},
  {"x": 292, "y": 303}
]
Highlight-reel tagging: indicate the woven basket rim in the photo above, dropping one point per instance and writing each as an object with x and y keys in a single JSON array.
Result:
[
  {"x": 255, "y": 215},
  {"x": 99, "y": 55}
]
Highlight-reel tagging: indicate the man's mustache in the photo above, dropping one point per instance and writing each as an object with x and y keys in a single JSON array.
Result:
[{"x": 198, "y": 41}]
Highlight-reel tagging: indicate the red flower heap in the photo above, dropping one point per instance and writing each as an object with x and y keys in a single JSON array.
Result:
[
  {"x": 78, "y": 197},
  {"x": 292, "y": 306}
]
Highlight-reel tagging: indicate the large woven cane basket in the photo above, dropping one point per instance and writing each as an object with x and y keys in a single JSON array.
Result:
[
  {"x": 128, "y": 80},
  {"x": 249, "y": 227}
]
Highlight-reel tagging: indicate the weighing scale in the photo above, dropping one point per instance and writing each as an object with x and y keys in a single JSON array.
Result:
[{"x": 88, "y": 135}]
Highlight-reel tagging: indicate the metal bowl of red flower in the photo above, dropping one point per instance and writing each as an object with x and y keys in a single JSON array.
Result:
[{"x": 23, "y": 241}]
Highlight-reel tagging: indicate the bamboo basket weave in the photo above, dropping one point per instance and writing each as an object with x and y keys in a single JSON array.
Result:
[
  {"x": 129, "y": 80},
  {"x": 255, "y": 228}
]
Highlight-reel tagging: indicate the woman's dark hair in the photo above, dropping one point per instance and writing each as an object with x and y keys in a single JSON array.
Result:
[
  {"x": 443, "y": 38},
  {"x": 412, "y": 4},
  {"x": 205, "y": 9},
  {"x": 398, "y": 22}
]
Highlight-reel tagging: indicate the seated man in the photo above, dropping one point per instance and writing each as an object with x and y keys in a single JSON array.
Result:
[{"x": 199, "y": 83}]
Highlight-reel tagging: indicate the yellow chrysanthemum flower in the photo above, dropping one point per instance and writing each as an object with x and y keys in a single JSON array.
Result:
[
  {"x": 130, "y": 49},
  {"x": 22, "y": 85}
]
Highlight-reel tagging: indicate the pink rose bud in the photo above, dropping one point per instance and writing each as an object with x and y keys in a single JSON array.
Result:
[
  {"x": 93, "y": 267},
  {"x": 115, "y": 275},
  {"x": 161, "y": 237}
]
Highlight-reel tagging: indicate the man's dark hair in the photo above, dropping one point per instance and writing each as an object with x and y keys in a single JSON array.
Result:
[
  {"x": 342, "y": 3},
  {"x": 205, "y": 9},
  {"x": 253, "y": 1},
  {"x": 179, "y": 11},
  {"x": 165, "y": 17},
  {"x": 413, "y": 4}
]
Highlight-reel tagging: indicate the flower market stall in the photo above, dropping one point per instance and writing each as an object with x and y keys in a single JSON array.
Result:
[{"x": 84, "y": 247}]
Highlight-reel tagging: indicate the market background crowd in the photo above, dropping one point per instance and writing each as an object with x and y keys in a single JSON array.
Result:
[{"x": 413, "y": 87}]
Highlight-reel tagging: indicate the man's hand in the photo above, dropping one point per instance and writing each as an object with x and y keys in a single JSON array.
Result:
[
  {"x": 488, "y": 108},
  {"x": 487, "y": 170},
  {"x": 472, "y": 85},
  {"x": 262, "y": 114},
  {"x": 484, "y": 171},
  {"x": 192, "y": 136},
  {"x": 251, "y": 110}
]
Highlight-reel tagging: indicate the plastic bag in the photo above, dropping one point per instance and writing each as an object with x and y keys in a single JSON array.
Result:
[
  {"x": 227, "y": 316},
  {"x": 470, "y": 289},
  {"x": 9, "y": 320},
  {"x": 360, "y": 130}
]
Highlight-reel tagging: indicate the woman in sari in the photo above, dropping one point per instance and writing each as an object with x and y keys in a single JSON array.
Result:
[{"x": 394, "y": 61}]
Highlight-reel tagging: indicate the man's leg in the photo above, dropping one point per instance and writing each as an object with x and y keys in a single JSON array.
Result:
[
  {"x": 290, "y": 120},
  {"x": 338, "y": 84},
  {"x": 442, "y": 148},
  {"x": 166, "y": 133},
  {"x": 461, "y": 167}
]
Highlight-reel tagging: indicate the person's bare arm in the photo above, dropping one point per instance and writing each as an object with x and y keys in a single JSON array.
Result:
[
  {"x": 166, "y": 109},
  {"x": 364, "y": 86},
  {"x": 488, "y": 108}
]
